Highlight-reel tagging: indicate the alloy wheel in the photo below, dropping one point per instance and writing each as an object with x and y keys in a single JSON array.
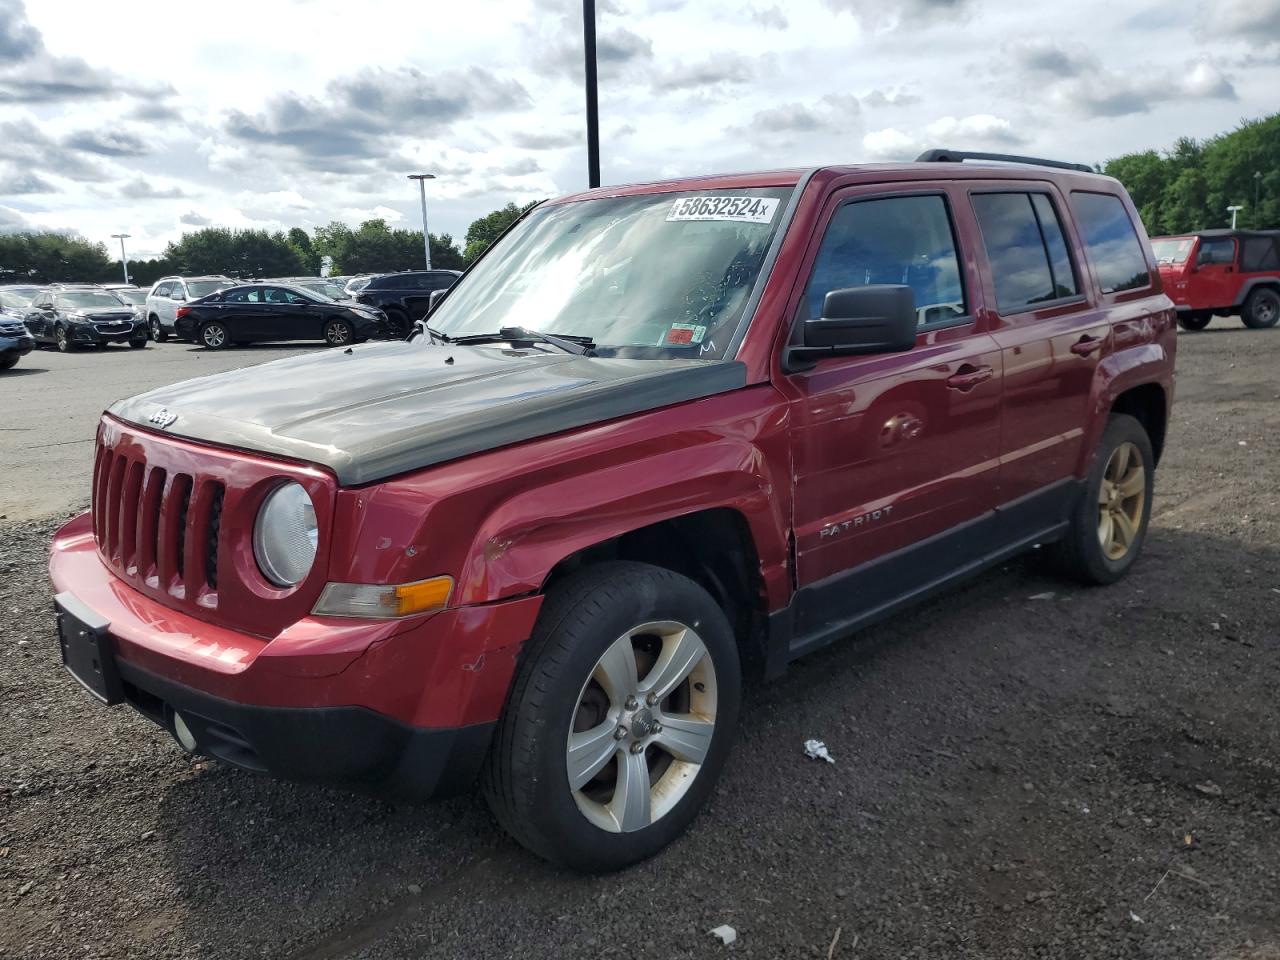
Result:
[
  {"x": 60, "y": 335},
  {"x": 337, "y": 333},
  {"x": 642, "y": 726},
  {"x": 1121, "y": 498},
  {"x": 155, "y": 330},
  {"x": 214, "y": 336}
]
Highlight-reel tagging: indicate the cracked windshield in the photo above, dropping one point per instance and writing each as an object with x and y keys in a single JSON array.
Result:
[{"x": 655, "y": 276}]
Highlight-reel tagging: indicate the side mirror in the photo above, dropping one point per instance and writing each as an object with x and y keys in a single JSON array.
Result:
[
  {"x": 433, "y": 298},
  {"x": 178, "y": 296},
  {"x": 856, "y": 321}
]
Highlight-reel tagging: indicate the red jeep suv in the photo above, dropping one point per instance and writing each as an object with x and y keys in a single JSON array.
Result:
[
  {"x": 1228, "y": 273},
  {"x": 655, "y": 434}
]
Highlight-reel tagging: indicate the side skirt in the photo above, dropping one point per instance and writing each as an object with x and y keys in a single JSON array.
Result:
[{"x": 823, "y": 612}]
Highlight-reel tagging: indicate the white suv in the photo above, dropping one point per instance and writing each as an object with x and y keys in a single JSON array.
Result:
[{"x": 169, "y": 293}]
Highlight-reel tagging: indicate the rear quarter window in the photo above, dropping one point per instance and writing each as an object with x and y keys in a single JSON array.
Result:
[
  {"x": 1111, "y": 241},
  {"x": 1261, "y": 254}
]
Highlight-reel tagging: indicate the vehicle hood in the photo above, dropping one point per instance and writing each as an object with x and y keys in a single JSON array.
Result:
[
  {"x": 378, "y": 410},
  {"x": 100, "y": 314}
]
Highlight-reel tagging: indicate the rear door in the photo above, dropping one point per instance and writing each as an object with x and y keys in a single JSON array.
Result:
[
  {"x": 1215, "y": 280},
  {"x": 242, "y": 311},
  {"x": 895, "y": 455},
  {"x": 1051, "y": 333},
  {"x": 417, "y": 289}
]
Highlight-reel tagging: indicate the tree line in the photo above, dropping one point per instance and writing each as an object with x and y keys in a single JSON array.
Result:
[
  {"x": 1190, "y": 186},
  {"x": 372, "y": 247}
]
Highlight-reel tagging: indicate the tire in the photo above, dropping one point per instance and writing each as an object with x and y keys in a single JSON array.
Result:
[
  {"x": 8, "y": 363},
  {"x": 158, "y": 333},
  {"x": 338, "y": 333},
  {"x": 1194, "y": 321},
  {"x": 61, "y": 341},
  {"x": 1262, "y": 309},
  {"x": 137, "y": 344},
  {"x": 1091, "y": 549},
  {"x": 583, "y": 624},
  {"x": 213, "y": 335}
]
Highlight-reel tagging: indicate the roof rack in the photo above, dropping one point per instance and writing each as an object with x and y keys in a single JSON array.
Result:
[{"x": 957, "y": 156}]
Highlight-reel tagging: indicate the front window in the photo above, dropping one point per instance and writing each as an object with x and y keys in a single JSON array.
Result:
[
  {"x": 1172, "y": 249},
  {"x": 88, "y": 300},
  {"x": 15, "y": 301},
  {"x": 202, "y": 288},
  {"x": 651, "y": 276},
  {"x": 1216, "y": 251}
]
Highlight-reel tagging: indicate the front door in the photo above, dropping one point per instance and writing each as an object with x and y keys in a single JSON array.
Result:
[
  {"x": 1214, "y": 280},
  {"x": 895, "y": 455}
]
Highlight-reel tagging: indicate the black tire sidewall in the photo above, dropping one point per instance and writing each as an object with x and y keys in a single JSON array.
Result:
[
  {"x": 1248, "y": 316},
  {"x": 1121, "y": 428},
  {"x": 1194, "y": 323},
  {"x": 636, "y": 593}
]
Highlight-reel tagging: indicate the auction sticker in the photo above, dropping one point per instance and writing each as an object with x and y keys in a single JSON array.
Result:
[
  {"x": 685, "y": 333},
  {"x": 740, "y": 209}
]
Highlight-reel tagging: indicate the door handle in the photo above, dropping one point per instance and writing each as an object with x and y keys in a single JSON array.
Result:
[
  {"x": 1086, "y": 345},
  {"x": 969, "y": 376}
]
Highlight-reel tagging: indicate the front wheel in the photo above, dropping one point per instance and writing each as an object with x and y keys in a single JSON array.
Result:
[
  {"x": 620, "y": 719},
  {"x": 1261, "y": 310},
  {"x": 157, "y": 332},
  {"x": 213, "y": 335},
  {"x": 338, "y": 333},
  {"x": 137, "y": 344},
  {"x": 63, "y": 342},
  {"x": 1194, "y": 321},
  {"x": 7, "y": 363},
  {"x": 1109, "y": 524}
]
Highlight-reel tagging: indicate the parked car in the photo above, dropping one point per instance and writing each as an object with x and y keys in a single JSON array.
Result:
[
  {"x": 15, "y": 340},
  {"x": 71, "y": 316},
  {"x": 403, "y": 297},
  {"x": 321, "y": 285},
  {"x": 1225, "y": 273},
  {"x": 133, "y": 296},
  {"x": 257, "y": 312},
  {"x": 169, "y": 293},
  {"x": 653, "y": 433},
  {"x": 21, "y": 290}
]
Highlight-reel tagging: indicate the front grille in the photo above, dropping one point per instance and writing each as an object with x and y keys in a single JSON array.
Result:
[
  {"x": 159, "y": 527},
  {"x": 11, "y": 328},
  {"x": 174, "y": 520}
]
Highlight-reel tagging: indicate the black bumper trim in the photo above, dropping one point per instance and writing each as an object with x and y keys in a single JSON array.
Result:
[{"x": 349, "y": 746}]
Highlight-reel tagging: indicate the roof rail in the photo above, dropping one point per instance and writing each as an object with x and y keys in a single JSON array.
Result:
[{"x": 957, "y": 156}]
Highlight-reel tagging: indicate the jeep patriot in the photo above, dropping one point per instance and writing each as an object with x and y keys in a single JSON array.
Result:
[{"x": 656, "y": 434}]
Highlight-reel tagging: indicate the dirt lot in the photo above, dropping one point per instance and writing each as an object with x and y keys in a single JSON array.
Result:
[{"x": 1090, "y": 774}]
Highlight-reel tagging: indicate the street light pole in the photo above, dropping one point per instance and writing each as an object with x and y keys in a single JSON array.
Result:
[
  {"x": 124, "y": 264},
  {"x": 1233, "y": 210},
  {"x": 422, "y": 179},
  {"x": 593, "y": 103}
]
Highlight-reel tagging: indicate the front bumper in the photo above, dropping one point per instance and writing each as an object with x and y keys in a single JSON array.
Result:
[
  {"x": 405, "y": 707},
  {"x": 16, "y": 346},
  {"x": 82, "y": 335}
]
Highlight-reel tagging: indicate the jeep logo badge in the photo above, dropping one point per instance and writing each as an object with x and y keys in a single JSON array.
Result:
[{"x": 162, "y": 418}]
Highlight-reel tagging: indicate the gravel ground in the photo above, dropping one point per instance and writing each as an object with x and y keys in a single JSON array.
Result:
[{"x": 1023, "y": 769}]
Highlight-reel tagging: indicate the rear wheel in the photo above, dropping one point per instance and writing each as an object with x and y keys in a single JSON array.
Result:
[
  {"x": 620, "y": 719},
  {"x": 157, "y": 332},
  {"x": 1109, "y": 524},
  {"x": 338, "y": 333},
  {"x": 1194, "y": 321},
  {"x": 213, "y": 335},
  {"x": 1262, "y": 309}
]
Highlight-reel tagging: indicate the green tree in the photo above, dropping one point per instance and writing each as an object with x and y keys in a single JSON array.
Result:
[
  {"x": 374, "y": 247},
  {"x": 300, "y": 241},
  {"x": 54, "y": 258},
  {"x": 488, "y": 228},
  {"x": 236, "y": 253}
]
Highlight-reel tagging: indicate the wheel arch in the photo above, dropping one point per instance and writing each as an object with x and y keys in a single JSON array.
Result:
[
  {"x": 1147, "y": 404},
  {"x": 1247, "y": 288}
]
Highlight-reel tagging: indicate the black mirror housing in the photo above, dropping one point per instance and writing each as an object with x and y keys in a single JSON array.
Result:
[
  {"x": 858, "y": 320},
  {"x": 433, "y": 298}
]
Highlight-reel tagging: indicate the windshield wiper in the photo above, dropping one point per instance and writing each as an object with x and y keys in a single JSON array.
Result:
[{"x": 579, "y": 346}]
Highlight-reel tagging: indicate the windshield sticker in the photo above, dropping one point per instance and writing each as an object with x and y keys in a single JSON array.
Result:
[
  {"x": 737, "y": 209},
  {"x": 684, "y": 333}
]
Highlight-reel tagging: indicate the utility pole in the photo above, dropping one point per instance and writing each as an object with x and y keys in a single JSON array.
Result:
[
  {"x": 422, "y": 179},
  {"x": 124, "y": 264},
  {"x": 1233, "y": 210},
  {"x": 593, "y": 103}
]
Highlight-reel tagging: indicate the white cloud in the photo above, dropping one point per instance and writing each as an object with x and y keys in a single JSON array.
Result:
[
  {"x": 977, "y": 129},
  {"x": 890, "y": 144}
]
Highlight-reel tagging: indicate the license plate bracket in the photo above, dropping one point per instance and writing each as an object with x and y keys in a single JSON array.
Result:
[{"x": 87, "y": 649}]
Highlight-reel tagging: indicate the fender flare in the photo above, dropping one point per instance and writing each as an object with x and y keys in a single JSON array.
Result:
[{"x": 1116, "y": 374}]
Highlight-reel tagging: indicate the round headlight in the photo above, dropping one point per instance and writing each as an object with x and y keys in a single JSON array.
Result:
[{"x": 285, "y": 535}]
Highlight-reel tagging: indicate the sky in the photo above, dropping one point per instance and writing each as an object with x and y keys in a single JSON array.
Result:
[{"x": 149, "y": 118}]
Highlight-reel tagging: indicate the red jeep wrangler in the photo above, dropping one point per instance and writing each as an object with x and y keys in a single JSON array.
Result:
[
  {"x": 656, "y": 433},
  {"x": 1227, "y": 273}
]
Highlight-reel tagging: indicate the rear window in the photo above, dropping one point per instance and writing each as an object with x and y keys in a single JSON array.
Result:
[
  {"x": 202, "y": 288},
  {"x": 1173, "y": 249},
  {"x": 1112, "y": 242},
  {"x": 1030, "y": 265},
  {"x": 1260, "y": 253}
]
